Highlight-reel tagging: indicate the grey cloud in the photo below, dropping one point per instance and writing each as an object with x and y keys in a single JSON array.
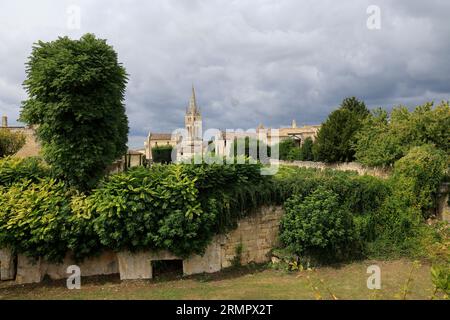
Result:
[{"x": 251, "y": 61}]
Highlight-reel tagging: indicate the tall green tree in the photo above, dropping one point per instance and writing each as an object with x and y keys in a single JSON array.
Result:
[
  {"x": 336, "y": 137},
  {"x": 76, "y": 91}
]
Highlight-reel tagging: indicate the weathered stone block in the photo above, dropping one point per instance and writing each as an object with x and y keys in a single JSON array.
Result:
[
  {"x": 7, "y": 267},
  {"x": 28, "y": 270},
  {"x": 134, "y": 265},
  {"x": 210, "y": 262},
  {"x": 104, "y": 264}
]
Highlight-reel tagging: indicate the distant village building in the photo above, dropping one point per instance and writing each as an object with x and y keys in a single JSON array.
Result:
[
  {"x": 190, "y": 141},
  {"x": 31, "y": 147}
]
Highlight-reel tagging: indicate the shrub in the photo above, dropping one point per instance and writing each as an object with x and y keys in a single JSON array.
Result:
[
  {"x": 318, "y": 225},
  {"x": 162, "y": 154},
  {"x": 150, "y": 209},
  {"x": 14, "y": 170},
  {"x": 10, "y": 142},
  {"x": 33, "y": 217},
  {"x": 418, "y": 175}
]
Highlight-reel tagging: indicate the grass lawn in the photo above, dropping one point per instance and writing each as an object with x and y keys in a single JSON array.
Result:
[{"x": 255, "y": 282}]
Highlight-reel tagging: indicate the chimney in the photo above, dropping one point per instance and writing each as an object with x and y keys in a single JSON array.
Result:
[
  {"x": 4, "y": 121},
  {"x": 294, "y": 124}
]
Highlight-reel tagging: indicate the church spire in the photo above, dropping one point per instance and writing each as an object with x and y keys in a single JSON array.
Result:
[{"x": 193, "y": 108}]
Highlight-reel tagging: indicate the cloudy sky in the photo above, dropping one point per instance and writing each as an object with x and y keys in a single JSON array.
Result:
[{"x": 266, "y": 61}]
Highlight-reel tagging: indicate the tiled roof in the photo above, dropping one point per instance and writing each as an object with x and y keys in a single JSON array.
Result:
[{"x": 160, "y": 136}]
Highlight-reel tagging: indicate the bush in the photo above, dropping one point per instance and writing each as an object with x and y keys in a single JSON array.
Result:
[
  {"x": 33, "y": 218},
  {"x": 162, "y": 154},
  {"x": 10, "y": 142},
  {"x": 418, "y": 176},
  {"x": 14, "y": 170},
  {"x": 151, "y": 209},
  {"x": 318, "y": 225},
  {"x": 174, "y": 207}
]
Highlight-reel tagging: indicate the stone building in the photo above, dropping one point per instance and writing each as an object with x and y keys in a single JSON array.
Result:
[
  {"x": 189, "y": 141},
  {"x": 31, "y": 147}
]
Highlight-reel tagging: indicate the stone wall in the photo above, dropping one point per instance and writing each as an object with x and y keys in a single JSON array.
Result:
[
  {"x": 256, "y": 234},
  {"x": 34, "y": 270}
]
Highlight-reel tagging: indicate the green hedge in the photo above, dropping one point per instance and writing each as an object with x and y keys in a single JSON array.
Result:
[
  {"x": 181, "y": 207},
  {"x": 173, "y": 207},
  {"x": 162, "y": 154}
]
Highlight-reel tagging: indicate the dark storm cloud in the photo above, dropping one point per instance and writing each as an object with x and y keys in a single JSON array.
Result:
[{"x": 251, "y": 62}]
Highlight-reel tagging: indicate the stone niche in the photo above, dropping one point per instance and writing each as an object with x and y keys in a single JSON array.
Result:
[{"x": 256, "y": 235}]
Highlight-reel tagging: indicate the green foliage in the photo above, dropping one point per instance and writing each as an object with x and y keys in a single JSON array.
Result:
[
  {"x": 13, "y": 170},
  {"x": 318, "y": 225},
  {"x": 306, "y": 152},
  {"x": 76, "y": 91},
  {"x": 162, "y": 154},
  {"x": 285, "y": 147},
  {"x": 288, "y": 150},
  {"x": 157, "y": 209},
  {"x": 33, "y": 218},
  {"x": 418, "y": 175},
  {"x": 337, "y": 135},
  {"x": 382, "y": 141},
  {"x": 440, "y": 275},
  {"x": 10, "y": 142},
  {"x": 252, "y": 148}
]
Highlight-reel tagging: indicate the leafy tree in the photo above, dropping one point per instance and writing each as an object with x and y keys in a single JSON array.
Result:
[
  {"x": 336, "y": 136},
  {"x": 306, "y": 152},
  {"x": 76, "y": 91},
  {"x": 10, "y": 142},
  {"x": 285, "y": 147},
  {"x": 382, "y": 140},
  {"x": 295, "y": 154}
]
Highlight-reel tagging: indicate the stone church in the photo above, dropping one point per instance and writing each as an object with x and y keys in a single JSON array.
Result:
[{"x": 188, "y": 142}]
